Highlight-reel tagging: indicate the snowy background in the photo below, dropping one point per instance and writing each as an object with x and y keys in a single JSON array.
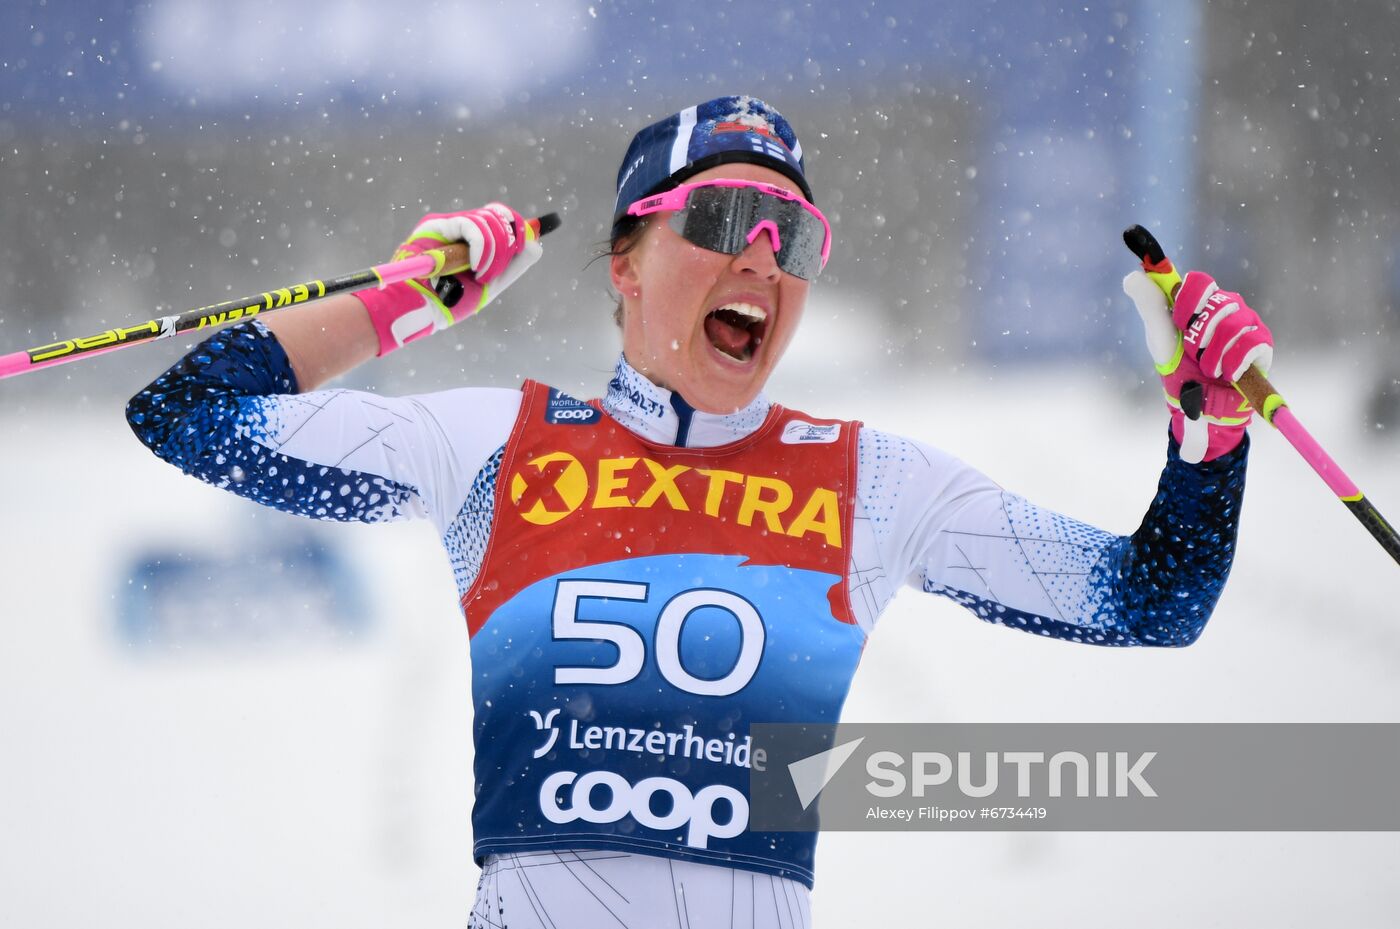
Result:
[{"x": 215, "y": 714}]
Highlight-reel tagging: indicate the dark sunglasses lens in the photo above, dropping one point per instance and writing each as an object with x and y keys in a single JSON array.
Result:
[
  {"x": 721, "y": 218},
  {"x": 803, "y": 236},
  {"x": 717, "y": 218}
]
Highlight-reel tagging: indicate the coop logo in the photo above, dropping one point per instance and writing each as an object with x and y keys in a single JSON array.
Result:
[
  {"x": 714, "y": 812},
  {"x": 565, "y": 410},
  {"x": 574, "y": 416}
]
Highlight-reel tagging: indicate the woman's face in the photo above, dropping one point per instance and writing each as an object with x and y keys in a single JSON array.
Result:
[{"x": 708, "y": 326}]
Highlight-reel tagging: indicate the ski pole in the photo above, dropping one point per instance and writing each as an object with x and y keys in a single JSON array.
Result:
[
  {"x": 450, "y": 259},
  {"x": 1262, "y": 396}
]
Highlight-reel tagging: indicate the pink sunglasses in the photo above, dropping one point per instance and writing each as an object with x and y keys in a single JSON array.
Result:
[{"x": 726, "y": 216}]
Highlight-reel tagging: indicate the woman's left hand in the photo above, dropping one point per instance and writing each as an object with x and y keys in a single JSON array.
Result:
[{"x": 1201, "y": 345}]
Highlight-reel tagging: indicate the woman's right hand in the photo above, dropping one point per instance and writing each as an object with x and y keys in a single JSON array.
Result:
[{"x": 502, "y": 245}]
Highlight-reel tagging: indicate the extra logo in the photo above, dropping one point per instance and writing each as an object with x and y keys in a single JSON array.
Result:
[
  {"x": 799, "y": 433},
  {"x": 549, "y": 488},
  {"x": 565, "y": 410}
]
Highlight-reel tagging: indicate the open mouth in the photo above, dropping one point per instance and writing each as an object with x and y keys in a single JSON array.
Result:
[{"x": 737, "y": 329}]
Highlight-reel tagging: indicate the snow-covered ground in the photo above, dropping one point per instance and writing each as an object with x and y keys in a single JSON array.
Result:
[{"x": 314, "y": 783}]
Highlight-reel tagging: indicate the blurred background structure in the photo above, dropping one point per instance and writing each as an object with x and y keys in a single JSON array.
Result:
[
  {"x": 977, "y": 159},
  {"x": 195, "y": 723}
]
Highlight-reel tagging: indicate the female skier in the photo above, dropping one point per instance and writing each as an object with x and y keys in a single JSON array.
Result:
[{"x": 645, "y": 575}]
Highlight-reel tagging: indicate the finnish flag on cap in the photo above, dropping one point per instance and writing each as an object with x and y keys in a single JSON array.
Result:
[{"x": 720, "y": 131}]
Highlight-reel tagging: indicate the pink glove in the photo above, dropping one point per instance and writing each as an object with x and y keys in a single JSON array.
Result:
[
  {"x": 502, "y": 247},
  {"x": 1208, "y": 339}
]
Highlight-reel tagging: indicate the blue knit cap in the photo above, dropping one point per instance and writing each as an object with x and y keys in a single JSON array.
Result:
[{"x": 721, "y": 131}]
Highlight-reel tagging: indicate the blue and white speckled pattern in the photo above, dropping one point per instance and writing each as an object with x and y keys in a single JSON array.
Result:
[
  {"x": 466, "y": 539},
  {"x": 207, "y": 416},
  {"x": 1155, "y": 587},
  {"x": 883, "y": 459}
]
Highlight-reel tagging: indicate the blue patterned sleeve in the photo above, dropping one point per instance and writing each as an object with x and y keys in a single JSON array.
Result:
[
  {"x": 227, "y": 412},
  {"x": 1163, "y": 581},
  {"x": 1072, "y": 581},
  {"x": 1016, "y": 564}
]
